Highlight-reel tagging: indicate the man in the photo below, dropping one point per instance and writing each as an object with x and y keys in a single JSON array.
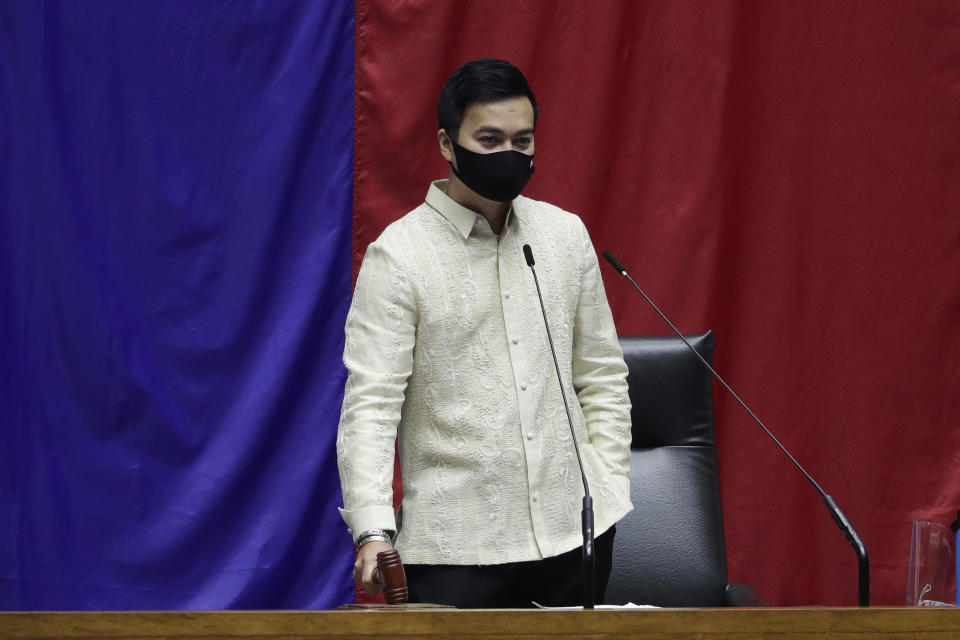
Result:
[{"x": 446, "y": 349}]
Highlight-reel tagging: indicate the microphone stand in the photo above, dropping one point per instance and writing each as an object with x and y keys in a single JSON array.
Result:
[
  {"x": 863, "y": 561},
  {"x": 589, "y": 572}
]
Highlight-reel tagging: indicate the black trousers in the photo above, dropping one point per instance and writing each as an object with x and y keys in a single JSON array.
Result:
[{"x": 556, "y": 581}]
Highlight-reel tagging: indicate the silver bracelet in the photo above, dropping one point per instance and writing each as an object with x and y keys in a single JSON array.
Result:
[
  {"x": 361, "y": 543},
  {"x": 374, "y": 535}
]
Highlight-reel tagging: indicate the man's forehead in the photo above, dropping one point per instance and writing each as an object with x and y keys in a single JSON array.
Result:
[{"x": 515, "y": 112}]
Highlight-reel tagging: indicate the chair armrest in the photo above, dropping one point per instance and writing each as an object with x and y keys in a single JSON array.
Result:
[{"x": 739, "y": 594}]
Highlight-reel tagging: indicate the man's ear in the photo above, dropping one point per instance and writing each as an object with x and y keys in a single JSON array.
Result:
[{"x": 446, "y": 145}]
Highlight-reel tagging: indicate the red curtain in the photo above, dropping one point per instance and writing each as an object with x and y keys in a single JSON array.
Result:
[{"x": 786, "y": 174}]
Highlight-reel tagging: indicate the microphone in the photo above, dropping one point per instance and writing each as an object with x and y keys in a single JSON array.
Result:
[
  {"x": 838, "y": 516},
  {"x": 589, "y": 575}
]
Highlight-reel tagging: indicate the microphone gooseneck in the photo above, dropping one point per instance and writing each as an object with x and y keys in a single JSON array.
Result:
[
  {"x": 528, "y": 256},
  {"x": 838, "y": 516},
  {"x": 589, "y": 575}
]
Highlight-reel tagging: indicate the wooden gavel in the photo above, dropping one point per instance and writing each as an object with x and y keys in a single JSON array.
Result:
[{"x": 390, "y": 576}]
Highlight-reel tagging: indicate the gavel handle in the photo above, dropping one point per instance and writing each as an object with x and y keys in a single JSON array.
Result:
[{"x": 390, "y": 576}]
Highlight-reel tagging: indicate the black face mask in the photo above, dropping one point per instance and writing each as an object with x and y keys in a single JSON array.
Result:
[{"x": 499, "y": 176}]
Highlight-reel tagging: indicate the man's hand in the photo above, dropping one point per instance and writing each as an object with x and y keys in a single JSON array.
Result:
[{"x": 366, "y": 563}]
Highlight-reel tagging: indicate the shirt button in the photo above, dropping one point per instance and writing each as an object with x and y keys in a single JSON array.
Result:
[
  {"x": 507, "y": 296},
  {"x": 535, "y": 497},
  {"x": 515, "y": 340},
  {"x": 523, "y": 387},
  {"x": 529, "y": 436}
]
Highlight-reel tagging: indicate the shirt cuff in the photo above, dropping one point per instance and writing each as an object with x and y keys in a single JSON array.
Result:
[{"x": 367, "y": 518}]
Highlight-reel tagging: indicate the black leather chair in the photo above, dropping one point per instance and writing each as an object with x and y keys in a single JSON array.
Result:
[{"x": 669, "y": 551}]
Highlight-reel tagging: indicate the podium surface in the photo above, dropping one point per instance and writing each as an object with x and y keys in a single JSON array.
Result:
[{"x": 650, "y": 624}]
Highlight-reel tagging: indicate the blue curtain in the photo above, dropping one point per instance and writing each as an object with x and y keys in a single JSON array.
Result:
[{"x": 175, "y": 208}]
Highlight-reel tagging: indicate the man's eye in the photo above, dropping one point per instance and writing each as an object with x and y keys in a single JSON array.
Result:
[
  {"x": 523, "y": 141},
  {"x": 488, "y": 140}
]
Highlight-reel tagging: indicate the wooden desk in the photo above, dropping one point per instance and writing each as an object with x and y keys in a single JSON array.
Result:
[{"x": 660, "y": 624}]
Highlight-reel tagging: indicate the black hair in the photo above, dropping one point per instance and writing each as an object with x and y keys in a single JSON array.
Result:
[{"x": 484, "y": 80}]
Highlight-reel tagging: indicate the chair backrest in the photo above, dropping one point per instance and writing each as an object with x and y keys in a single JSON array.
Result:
[{"x": 669, "y": 551}]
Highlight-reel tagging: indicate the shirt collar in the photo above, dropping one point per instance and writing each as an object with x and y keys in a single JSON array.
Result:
[{"x": 458, "y": 215}]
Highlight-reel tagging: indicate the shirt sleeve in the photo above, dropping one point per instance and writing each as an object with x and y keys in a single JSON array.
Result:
[
  {"x": 378, "y": 354},
  {"x": 599, "y": 372}
]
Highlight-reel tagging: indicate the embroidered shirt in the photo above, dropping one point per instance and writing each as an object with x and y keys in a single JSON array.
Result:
[{"x": 446, "y": 350}]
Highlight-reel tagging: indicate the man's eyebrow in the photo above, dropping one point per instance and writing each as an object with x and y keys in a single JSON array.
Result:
[{"x": 488, "y": 129}]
